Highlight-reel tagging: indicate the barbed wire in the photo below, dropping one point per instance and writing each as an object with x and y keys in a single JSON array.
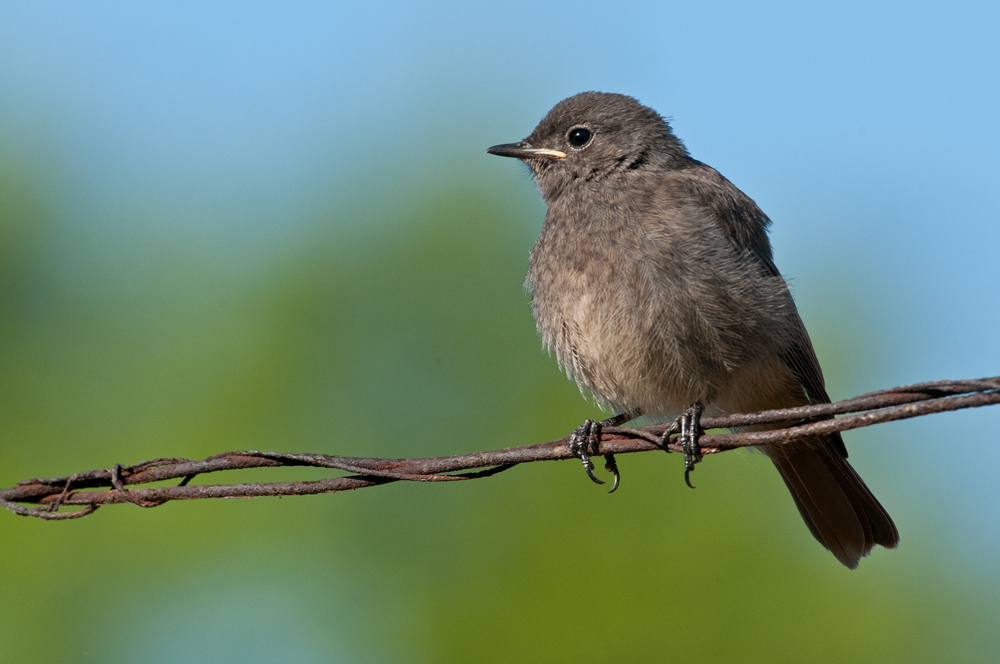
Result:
[{"x": 94, "y": 488}]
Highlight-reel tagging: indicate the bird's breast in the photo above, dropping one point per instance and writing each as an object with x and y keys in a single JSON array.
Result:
[
  {"x": 653, "y": 311},
  {"x": 596, "y": 309}
]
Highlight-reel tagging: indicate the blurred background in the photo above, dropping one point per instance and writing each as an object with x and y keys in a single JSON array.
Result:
[{"x": 273, "y": 226}]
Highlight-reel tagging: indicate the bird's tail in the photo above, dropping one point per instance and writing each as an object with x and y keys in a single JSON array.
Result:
[{"x": 839, "y": 509}]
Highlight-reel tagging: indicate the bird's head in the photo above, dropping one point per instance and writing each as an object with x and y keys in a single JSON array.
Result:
[{"x": 592, "y": 136}]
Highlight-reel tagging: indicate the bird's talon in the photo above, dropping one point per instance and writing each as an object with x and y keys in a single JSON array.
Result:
[
  {"x": 612, "y": 467},
  {"x": 589, "y": 467}
]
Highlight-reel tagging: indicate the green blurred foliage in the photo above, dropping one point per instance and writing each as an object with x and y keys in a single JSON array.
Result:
[{"x": 396, "y": 326}]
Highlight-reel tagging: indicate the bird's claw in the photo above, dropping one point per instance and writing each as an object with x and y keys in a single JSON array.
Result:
[{"x": 611, "y": 466}]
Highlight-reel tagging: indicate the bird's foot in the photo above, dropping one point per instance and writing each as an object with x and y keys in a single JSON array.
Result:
[
  {"x": 690, "y": 432},
  {"x": 689, "y": 426},
  {"x": 585, "y": 441}
]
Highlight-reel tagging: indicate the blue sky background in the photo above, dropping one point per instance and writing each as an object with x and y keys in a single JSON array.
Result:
[{"x": 868, "y": 132}]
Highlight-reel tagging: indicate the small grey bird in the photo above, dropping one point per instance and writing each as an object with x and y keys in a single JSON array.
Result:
[{"x": 653, "y": 282}]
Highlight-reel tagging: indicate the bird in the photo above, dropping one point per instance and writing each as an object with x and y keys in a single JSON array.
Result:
[{"x": 653, "y": 282}]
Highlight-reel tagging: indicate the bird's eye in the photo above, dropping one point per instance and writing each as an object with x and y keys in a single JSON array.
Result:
[{"x": 578, "y": 137}]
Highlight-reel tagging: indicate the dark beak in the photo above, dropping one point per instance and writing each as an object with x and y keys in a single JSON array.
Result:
[{"x": 524, "y": 151}]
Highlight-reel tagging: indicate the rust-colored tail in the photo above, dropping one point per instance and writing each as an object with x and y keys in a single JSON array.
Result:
[{"x": 832, "y": 498}]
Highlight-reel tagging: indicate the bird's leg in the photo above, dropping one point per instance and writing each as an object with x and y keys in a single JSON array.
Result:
[{"x": 586, "y": 440}]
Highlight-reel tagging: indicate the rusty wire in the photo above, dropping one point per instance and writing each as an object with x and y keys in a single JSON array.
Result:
[{"x": 94, "y": 488}]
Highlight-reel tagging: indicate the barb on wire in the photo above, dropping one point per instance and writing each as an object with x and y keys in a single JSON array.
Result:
[{"x": 94, "y": 488}]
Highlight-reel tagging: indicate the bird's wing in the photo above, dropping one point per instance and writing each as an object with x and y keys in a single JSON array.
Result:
[{"x": 746, "y": 226}]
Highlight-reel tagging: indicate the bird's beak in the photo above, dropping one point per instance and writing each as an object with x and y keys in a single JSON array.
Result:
[{"x": 524, "y": 151}]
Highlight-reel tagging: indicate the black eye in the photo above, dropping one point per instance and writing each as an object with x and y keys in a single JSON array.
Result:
[{"x": 579, "y": 136}]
